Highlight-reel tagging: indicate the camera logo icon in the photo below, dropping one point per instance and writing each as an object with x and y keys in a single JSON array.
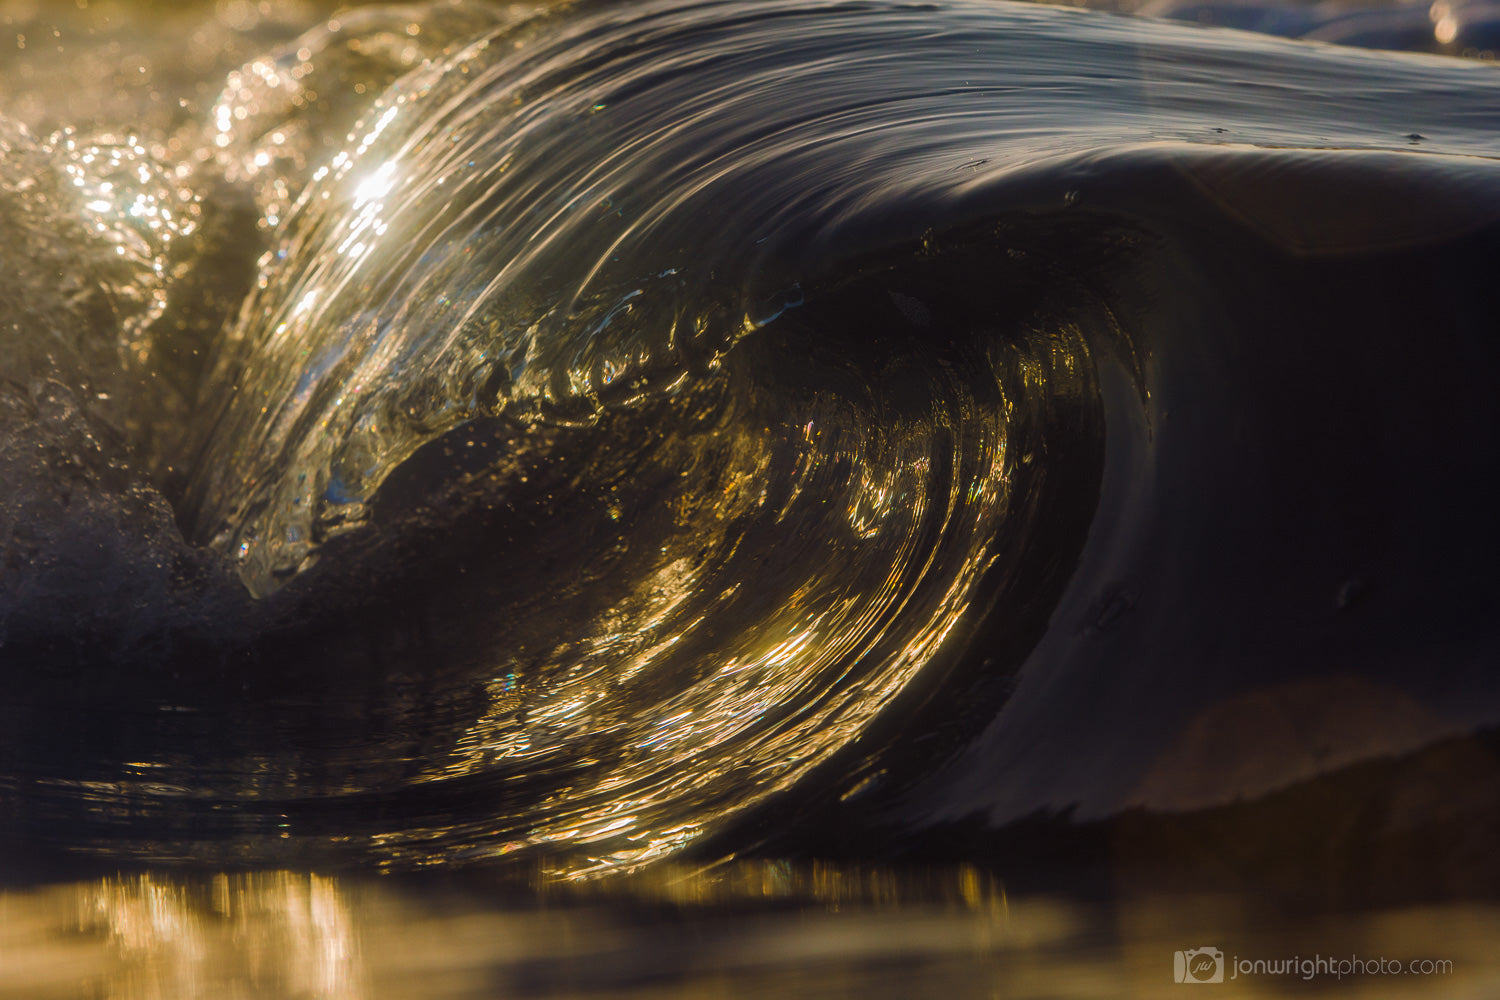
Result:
[{"x": 1198, "y": 965}]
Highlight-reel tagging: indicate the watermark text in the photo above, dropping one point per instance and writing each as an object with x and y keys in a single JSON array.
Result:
[{"x": 1209, "y": 965}]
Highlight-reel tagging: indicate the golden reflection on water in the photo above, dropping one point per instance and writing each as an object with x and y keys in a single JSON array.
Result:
[
  {"x": 142, "y": 937},
  {"x": 737, "y": 929}
]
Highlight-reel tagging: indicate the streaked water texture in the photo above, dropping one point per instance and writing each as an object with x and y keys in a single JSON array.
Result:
[
  {"x": 561, "y": 433},
  {"x": 514, "y": 229}
]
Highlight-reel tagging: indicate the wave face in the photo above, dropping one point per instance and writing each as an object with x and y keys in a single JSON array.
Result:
[
  {"x": 648, "y": 409},
  {"x": 516, "y": 230}
]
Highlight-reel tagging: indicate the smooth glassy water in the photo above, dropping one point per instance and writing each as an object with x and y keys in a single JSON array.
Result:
[{"x": 940, "y": 474}]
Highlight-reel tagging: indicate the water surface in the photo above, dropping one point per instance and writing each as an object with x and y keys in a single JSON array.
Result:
[{"x": 1034, "y": 445}]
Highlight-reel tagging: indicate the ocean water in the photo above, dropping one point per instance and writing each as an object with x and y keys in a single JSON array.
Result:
[{"x": 746, "y": 498}]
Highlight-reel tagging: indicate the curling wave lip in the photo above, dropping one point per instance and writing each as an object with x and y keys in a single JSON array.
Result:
[{"x": 652, "y": 414}]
